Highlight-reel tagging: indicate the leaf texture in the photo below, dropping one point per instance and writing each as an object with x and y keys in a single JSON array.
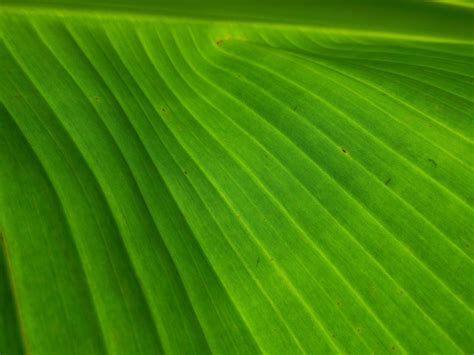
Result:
[{"x": 196, "y": 186}]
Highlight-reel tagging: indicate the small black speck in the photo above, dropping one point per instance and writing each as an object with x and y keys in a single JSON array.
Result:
[
  {"x": 163, "y": 109},
  {"x": 433, "y": 162},
  {"x": 344, "y": 150}
]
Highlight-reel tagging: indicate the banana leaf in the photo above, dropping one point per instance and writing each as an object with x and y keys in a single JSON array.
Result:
[{"x": 236, "y": 177}]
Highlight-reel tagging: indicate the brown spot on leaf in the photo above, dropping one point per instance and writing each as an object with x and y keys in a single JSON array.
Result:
[
  {"x": 219, "y": 42},
  {"x": 344, "y": 150}
]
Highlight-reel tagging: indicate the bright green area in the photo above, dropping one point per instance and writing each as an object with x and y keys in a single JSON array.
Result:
[{"x": 188, "y": 186}]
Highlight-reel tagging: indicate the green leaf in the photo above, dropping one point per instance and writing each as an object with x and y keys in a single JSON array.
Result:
[{"x": 236, "y": 178}]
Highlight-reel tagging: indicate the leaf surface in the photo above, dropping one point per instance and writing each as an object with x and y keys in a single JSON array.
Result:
[{"x": 238, "y": 179}]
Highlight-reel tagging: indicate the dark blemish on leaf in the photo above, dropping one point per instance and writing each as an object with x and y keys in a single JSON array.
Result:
[
  {"x": 393, "y": 348},
  {"x": 344, "y": 150},
  {"x": 359, "y": 330},
  {"x": 219, "y": 42},
  {"x": 163, "y": 109},
  {"x": 96, "y": 98},
  {"x": 258, "y": 262},
  {"x": 185, "y": 172},
  {"x": 433, "y": 162},
  {"x": 388, "y": 181},
  {"x": 467, "y": 245}
]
